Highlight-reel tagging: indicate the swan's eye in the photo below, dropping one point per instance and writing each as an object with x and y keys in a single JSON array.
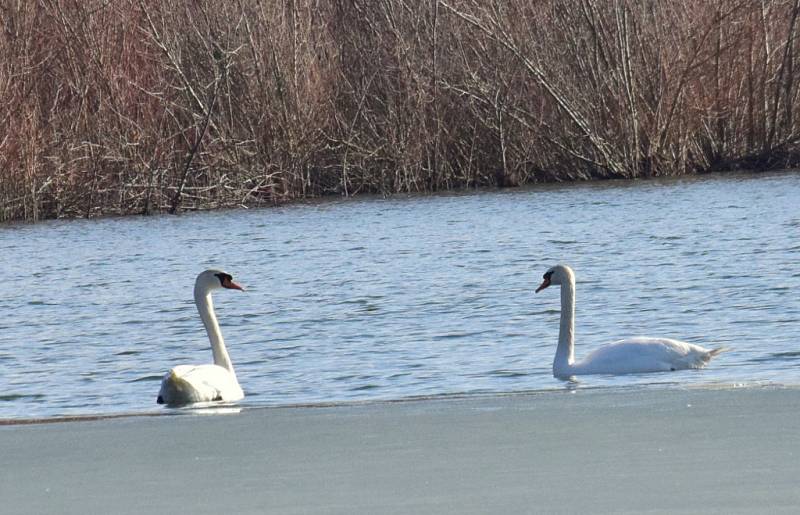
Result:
[{"x": 547, "y": 275}]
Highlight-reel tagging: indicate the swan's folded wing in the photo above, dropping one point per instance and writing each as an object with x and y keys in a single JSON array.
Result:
[
  {"x": 212, "y": 382},
  {"x": 680, "y": 355},
  {"x": 643, "y": 354}
]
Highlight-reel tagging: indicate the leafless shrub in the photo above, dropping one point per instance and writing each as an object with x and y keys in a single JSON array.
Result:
[{"x": 144, "y": 106}]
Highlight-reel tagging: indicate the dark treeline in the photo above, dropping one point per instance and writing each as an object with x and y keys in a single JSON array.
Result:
[{"x": 144, "y": 106}]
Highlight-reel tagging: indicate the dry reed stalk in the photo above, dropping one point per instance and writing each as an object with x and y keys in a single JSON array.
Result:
[{"x": 144, "y": 106}]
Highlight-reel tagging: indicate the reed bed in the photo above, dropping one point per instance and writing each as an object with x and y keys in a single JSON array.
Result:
[{"x": 145, "y": 106}]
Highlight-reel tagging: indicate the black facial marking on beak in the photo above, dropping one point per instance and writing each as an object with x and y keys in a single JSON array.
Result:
[
  {"x": 546, "y": 281},
  {"x": 223, "y": 278},
  {"x": 226, "y": 281}
]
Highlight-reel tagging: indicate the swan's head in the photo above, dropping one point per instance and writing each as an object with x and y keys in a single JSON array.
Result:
[
  {"x": 559, "y": 274},
  {"x": 215, "y": 279}
]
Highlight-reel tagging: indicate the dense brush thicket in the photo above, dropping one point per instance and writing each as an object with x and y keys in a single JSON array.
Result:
[{"x": 143, "y": 106}]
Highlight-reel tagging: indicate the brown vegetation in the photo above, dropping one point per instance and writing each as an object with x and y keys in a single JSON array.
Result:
[{"x": 143, "y": 106}]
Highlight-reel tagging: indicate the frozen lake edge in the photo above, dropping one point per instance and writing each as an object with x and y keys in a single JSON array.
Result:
[{"x": 725, "y": 450}]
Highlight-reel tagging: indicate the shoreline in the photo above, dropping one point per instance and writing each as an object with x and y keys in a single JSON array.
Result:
[
  {"x": 323, "y": 199},
  {"x": 222, "y": 408}
]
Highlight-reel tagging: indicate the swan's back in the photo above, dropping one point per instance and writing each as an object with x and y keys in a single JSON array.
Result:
[{"x": 642, "y": 354}]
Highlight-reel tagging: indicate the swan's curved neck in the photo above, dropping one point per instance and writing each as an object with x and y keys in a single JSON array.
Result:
[
  {"x": 565, "y": 353},
  {"x": 205, "y": 306}
]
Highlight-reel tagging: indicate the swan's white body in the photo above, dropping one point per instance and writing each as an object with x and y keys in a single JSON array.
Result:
[
  {"x": 631, "y": 356},
  {"x": 188, "y": 384}
]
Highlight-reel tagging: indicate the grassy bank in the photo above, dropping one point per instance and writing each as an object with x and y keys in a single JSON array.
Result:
[{"x": 143, "y": 106}]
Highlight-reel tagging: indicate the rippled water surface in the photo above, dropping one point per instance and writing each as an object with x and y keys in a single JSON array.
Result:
[{"x": 390, "y": 299}]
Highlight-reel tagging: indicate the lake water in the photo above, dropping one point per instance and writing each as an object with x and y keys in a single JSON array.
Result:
[{"x": 391, "y": 299}]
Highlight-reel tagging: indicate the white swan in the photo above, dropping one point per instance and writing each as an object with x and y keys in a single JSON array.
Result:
[
  {"x": 186, "y": 384},
  {"x": 631, "y": 356}
]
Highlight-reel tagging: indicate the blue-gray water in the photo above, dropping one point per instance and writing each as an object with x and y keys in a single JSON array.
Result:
[{"x": 390, "y": 299}]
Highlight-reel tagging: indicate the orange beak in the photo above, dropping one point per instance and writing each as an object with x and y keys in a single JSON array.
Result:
[
  {"x": 544, "y": 285},
  {"x": 227, "y": 283}
]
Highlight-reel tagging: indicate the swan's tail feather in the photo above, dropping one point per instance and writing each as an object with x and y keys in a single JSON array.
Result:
[{"x": 713, "y": 352}]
